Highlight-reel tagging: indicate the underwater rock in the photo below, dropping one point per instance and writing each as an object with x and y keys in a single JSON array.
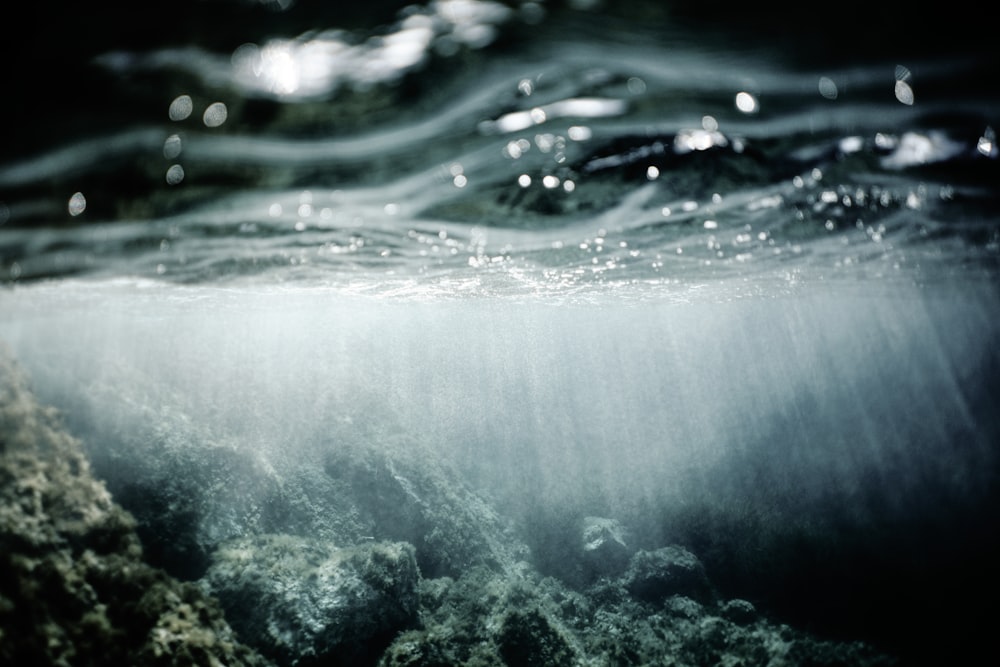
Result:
[
  {"x": 528, "y": 638},
  {"x": 739, "y": 611},
  {"x": 300, "y": 600},
  {"x": 188, "y": 487},
  {"x": 490, "y": 619},
  {"x": 604, "y": 550},
  {"x": 656, "y": 575},
  {"x": 74, "y": 589},
  {"x": 192, "y": 487},
  {"x": 615, "y": 628},
  {"x": 187, "y": 502},
  {"x": 404, "y": 492}
]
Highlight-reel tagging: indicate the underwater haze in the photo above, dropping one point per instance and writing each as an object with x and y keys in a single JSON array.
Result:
[{"x": 726, "y": 279}]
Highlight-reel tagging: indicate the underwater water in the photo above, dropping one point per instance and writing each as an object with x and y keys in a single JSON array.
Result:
[{"x": 728, "y": 280}]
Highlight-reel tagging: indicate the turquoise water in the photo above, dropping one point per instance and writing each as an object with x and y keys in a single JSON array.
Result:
[{"x": 733, "y": 287}]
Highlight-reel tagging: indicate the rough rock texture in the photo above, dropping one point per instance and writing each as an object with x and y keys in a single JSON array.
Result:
[
  {"x": 193, "y": 486},
  {"x": 188, "y": 488},
  {"x": 739, "y": 611},
  {"x": 303, "y": 601},
  {"x": 73, "y": 587},
  {"x": 604, "y": 550},
  {"x": 657, "y": 575},
  {"x": 402, "y": 491},
  {"x": 74, "y": 590},
  {"x": 485, "y": 619}
]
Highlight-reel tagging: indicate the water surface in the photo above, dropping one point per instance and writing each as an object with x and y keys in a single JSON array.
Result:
[{"x": 734, "y": 281}]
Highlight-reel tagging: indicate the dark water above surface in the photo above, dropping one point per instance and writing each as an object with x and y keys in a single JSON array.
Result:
[{"x": 731, "y": 279}]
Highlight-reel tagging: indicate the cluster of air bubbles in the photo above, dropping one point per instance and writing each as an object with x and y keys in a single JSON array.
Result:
[
  {"x": 902, "y": 87},
  {"x": 308, "y": 211},
  {"x": 547, "y": 181},
  {"x": 457, "y": 174},
  {"x": 214, "y": 115},
  {"x": 552, "y": 145}
]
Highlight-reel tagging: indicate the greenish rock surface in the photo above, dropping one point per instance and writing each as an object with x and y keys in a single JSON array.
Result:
[
  {"x": 604, "y": 547},
  {"x": 487, "y": 619},
  {"x": 304, "y": 601},
  {"x": 403, "y": 491},
  {"x": 74, "y": 590},
  {"x": 673, "y": 570},
  {"x": 192, "y": 487}
]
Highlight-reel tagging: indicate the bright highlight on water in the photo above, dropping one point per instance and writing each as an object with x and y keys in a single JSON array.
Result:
[{"x": 503, "y": 333}]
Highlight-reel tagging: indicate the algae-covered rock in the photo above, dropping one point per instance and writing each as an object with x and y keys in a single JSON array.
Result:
[
  {"x": 656, "y": 575},
  {"x": 616, "y": 628},
  {"x": 528, "y": 638},
  {"x": 301, "y": 600},
  {"x": 739, "y": 611},
  {"x": 489, "y": 619},
  {"x": 188, "y": 487},
  {"x": 193, "y": 486},
  {"x": 403, "y": 491},
  {"x": 603, "y": 550},
  {"x": 74, "y": 589}
]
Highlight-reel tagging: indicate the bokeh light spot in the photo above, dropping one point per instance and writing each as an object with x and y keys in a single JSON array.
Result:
[
  {"x": 181, "y": 107},
  {"x": 635, "y": 85},
  {"x": 987, "y": 145},
  {"x": 215, "y": 115},
  {"x": 746, "y": 102},
  {"x": 827, "y": 88},
  {"x": 175, "y": 174},
  {"x": 77, "y": 204},
  {"x": 903, "y": 89},
  {"x": 172, "y": 147},
  {"x": 904, "y": 93}
]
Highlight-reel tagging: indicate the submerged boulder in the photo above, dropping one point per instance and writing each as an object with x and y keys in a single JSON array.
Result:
[
  {"x": 301, "y": 600},
  {"x": 739, "y": 611},
  {"x": 402, "y": 491},
  {"x": 489, "y": 619},
  {"x": 527, "y": 637},
  {"x": 74, "y": 589},
  {"x": 603, "y": 551},
  {"x": 519, "y": 619},
  {"x": 656, "y": 575},
  {"x": 192, "y": 485}
]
